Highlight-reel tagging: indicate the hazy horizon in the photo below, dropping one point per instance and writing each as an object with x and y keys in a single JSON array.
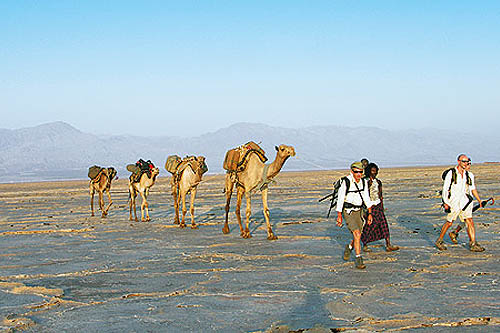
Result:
[{"x": 191, "y": 135}]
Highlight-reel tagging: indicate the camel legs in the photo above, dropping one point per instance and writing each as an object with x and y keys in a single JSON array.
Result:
[
  {"x": 133, "y": 195},
  {"x": 110, "y": 202},
  {"x": 191, "y": 208},
  {"x": 182, "y": 196},
  {"x": 91, "y": 200},
  {"x": 270, "y": 234},
  {"x": 229, "y": 191},
  {"x": 144, "y": 207},
  {"x": 239, "y": 196},
  {"x": 175, "y": 194},
  {"x": 101, "y": 203},
  {"x": 248, "y": 213}
]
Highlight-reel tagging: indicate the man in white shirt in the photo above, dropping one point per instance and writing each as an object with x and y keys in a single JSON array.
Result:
[
  {"x": 352, "y": 195},
  {"x": 457, "y": 189}
]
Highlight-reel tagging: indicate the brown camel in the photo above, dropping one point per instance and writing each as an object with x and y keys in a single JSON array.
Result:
[
  {"x": 100, "y": 184},
  {"x": 186, "y": 181},
  {"x": 142, "y": 187},
  {"x": 256, "y": 175}
]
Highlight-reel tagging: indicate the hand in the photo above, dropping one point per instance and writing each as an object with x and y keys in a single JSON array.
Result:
[
  {"x": 447, "y": 207},
  {"x": 370, "y": 219},
  {"x": 480, "y": 204},
  {"x": 339, "y": 220}
]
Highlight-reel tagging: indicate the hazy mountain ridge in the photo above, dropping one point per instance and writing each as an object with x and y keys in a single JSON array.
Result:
[{"x": 60, "y": 151}]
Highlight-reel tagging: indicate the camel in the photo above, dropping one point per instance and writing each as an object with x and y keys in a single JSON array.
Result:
[
  {"x": 100, "y": 184},
  {"x": 142, "y": 187},
  {"x": 187, "y": 182},
  {"x": 252, "y": 177}
]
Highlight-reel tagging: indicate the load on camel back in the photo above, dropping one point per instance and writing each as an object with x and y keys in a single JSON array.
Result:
[
  {"x": 186, "y": 176},
  {"x": 139, "y": 168},
  {"x": 96, "y": 170},
  {"x": 176, "y": 165},
  {"x": 237, "y": 158}
]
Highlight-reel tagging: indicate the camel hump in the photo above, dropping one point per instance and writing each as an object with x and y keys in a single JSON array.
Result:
[{"x": 236, "y": 158}]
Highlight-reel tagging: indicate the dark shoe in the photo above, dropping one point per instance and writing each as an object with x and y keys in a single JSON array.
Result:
[
  {"x": 359, "y": 263},
  {"x": 366, "y": 248},
  {"x": 440, "y": 245},
  {"x": 475, "y": 247},
  {"x": 347, "y": 252},
  {"x": 390, "y": 248},
  {"x": 453, "y": 236}
]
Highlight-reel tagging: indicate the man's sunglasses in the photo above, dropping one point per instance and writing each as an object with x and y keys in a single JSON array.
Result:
[
  {"x": 354, "y": 171},
  {"x": 465, "y": 161}
]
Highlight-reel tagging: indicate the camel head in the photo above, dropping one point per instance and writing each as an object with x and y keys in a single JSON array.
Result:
[
  {"x": 285, "y": 151},
  {"x": 154, "y": 172},
  {"x": 203, "y": 165},
  {"x": 112, "y": 173}
]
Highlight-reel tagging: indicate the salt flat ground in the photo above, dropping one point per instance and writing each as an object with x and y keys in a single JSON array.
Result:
[{"x": 62, "y": 270}]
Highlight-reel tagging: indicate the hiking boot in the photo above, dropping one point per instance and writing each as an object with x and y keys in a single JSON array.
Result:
[
  {"x": 475, "y": 247},
  {"x": 347, "y": 252},
  {"x": 366, "y": 248},
  {"x": 390, "y": 248},
  {"x": 453, "y": 236},
  {"x": 440, "y": 245},
  {"x": 359, "y": 263}
]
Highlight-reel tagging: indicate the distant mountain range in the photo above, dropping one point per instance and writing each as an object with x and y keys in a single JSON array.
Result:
[{"x": 57, "y": 151}]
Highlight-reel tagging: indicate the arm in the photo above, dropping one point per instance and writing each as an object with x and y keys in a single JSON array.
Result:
[
  {"x": 366, "y": 197},
  {"x": 473, "y": 189},
  {"x": 380, "y": 190}
]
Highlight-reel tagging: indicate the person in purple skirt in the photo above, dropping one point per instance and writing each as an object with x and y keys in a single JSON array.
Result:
[{"x": 379, "y": 229}]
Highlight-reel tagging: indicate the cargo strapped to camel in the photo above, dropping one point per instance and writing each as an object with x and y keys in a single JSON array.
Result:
[
  {"x": 236, "y": 159},
  {"x": 95, "y": 171},
  {"x": 197, "y": 164},
  {"x": 139, "y": 168},
  {"x": 172, "y": 163}
]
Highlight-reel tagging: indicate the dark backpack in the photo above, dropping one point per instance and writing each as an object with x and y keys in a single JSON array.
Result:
[
  {"x": 454, "y": 178},
  {"x": 336, "y": 187}
]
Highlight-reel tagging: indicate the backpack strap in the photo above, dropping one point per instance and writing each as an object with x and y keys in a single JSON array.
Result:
[
  {"x": 453, "y": 180},
  {"x": 469, "y": 180},
  {"x": 359, "y": 191}
]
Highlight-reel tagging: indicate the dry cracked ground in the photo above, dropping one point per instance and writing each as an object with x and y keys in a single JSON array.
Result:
[{"x": 63, "y": 270}]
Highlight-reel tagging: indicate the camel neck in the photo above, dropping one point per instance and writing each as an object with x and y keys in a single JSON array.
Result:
[{"x": 276, "y": 165}]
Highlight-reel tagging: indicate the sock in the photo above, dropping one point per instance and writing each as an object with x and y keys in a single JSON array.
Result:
[
  {"x": 358, "y": 255},
  {"x": 350, "y": 247}
]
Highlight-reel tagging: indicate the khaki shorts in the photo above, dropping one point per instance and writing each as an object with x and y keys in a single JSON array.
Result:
[
  {"x": 353, "y": 220},
  {"x": 462, "y": 214}
]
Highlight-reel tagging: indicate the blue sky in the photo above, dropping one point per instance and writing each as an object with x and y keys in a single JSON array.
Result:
[{"x": 168, "y": 67}]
